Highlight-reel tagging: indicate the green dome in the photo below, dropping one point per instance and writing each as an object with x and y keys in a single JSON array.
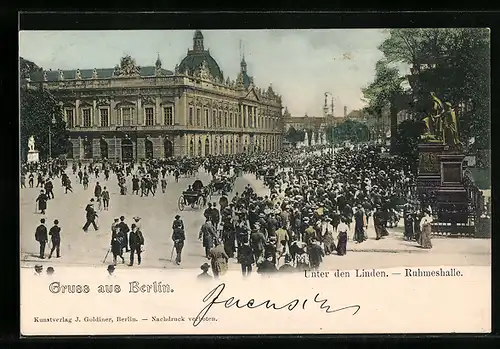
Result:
[{"x": 194, "y": 60}]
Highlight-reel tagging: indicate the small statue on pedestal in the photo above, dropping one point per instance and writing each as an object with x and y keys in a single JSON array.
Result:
[{"x": 31, "y": 143}]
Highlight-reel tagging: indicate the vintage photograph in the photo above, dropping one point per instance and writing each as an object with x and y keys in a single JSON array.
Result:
[{"x": 248, "y": 154}]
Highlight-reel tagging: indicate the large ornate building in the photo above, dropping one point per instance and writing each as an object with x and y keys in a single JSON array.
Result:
[{"x": 133, "y": 112}]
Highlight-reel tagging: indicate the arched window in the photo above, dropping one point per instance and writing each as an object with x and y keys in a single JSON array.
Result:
[
  {"x": 207, "y": 147},
  {"x": 200, "y": 148},
  {"x": 221, "y": 147},
  {"x": 191, "y": 148}
]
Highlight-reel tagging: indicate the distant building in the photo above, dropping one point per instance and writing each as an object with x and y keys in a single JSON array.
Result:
[
  {"x": 357, "y": 115},
  {"x": 131, "y": 112}
]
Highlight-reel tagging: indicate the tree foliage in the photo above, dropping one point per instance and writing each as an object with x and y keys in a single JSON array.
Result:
[
  {"x": 38, "y": 108},
  {"x": 460, "y": 73},
  {"x": 294, "y": 136},
  {"x": 349, "y": 130},
  {"x": 406, "y": 140}
]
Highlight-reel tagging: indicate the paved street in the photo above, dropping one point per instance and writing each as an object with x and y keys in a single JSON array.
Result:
[{"x": 79, "y": 248}]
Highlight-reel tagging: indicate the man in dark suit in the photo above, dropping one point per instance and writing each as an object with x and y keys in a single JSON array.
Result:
[
  {"x": 42, "y": 237},
  {"x": 178, "y": 236},
  {"x": 136, "y": 241},
  {"x": 91, "y": 215},
  {"x": 55, "y": 234},
  {"x": 124, "y": 230}
]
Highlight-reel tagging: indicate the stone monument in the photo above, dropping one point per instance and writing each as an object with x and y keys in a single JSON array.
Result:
[
  {"x": 441, "y": 166},
  {"x": 313, "y": 139},
  {"x": 33, "y": 155}
]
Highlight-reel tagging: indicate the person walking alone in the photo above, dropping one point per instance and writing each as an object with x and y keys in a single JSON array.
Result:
[
  {"x": 55, "y": 234},
  {"x": 178, "y": 236},
  {"x": 105, "y": 198},
  {"x": 91, "y": 215}
]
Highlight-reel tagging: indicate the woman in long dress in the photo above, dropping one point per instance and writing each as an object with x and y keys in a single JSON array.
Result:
[
  {"x": 342, "y": 237},
  {"x": 425, "y": 228}
]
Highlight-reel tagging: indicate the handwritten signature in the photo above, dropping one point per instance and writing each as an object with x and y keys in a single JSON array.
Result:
[{"x": 214, "y": 297}]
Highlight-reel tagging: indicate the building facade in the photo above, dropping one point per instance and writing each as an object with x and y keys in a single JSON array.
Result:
[{"x": 132, "y": 112}]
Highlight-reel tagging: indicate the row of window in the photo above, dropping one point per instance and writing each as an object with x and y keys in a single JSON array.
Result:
[
  {"x": 228, "y": 119},
  {"x": 124, "y": 117}
]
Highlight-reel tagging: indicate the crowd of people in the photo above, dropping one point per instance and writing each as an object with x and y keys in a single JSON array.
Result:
[{"x": 315, "y": 203}]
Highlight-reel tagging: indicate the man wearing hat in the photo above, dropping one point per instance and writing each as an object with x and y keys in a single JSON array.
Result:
[
  {"x": 137, "y": 222},
  {"x": 124, "y": 230},
  {"x": 136, "y": 240},
  {"x": 205, "y": 275},
  {"x": 90, "y": 215},
  {"x": 50, "y": 271},
  {"x": 178, "y": 237},
  {"x": 38, "y": 270},
  {"x": 42, "y": 237},
  {"x": 111, "y": 270},
  {"x": 207, "y": 235},
  {"x": 42, "y": 201},
  {"x": 55, "y": 233}
]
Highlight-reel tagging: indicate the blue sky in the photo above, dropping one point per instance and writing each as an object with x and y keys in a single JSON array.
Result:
[{"x": 301, "y": 64}]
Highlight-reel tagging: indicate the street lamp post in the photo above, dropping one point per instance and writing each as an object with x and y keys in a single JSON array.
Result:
[
  {"x": 326, "y": 113},
  {"x": 53, "y": 122}
]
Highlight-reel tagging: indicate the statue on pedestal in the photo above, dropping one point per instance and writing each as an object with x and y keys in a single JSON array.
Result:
[
  {"x": 441, "y": 125},
  {"x": 306, "y": 138},
  {"x": 31, "y": 143}
]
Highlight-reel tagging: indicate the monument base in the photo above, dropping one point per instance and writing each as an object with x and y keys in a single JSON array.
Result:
[{"x": 33, "y": 156}]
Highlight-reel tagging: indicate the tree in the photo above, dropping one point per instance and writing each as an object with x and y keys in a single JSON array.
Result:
[
  {"x": 294, "y": 136},
  {"x": 350, "y": 130},
  {"x": 385, "y": 92},
  {"x": 406, "y": 140},
  {"x": 459, "y": 73},
  {"x": 38, "y": 108}
]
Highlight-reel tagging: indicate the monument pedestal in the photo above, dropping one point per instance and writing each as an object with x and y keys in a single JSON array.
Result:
[
  {"x": 33, "y": 156},
  {"x": 452, "y": 199},
  {"x": 429, "y": 172}
]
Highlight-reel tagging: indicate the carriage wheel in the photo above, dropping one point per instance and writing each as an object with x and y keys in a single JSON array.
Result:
[
  {"x": 180, "y": 203},
  {"x": 200, "y": 203}
]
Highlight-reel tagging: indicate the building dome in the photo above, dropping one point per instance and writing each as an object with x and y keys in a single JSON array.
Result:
[{"x": 195, "y": 58}]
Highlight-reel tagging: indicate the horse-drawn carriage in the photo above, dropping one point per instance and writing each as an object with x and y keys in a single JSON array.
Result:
[
  {"x": 191, "y": 198},
  {"x": 222, "y": 184}
]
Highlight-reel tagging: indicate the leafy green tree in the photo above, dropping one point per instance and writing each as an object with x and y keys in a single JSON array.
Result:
[
  {"x": 294, "y": 136},
  {"x": 406, "y": 140},
  {"x": 38, "y": 109},
  {"x": 385, "y": 92},
  {"x": 459, "y": 73},
  {"x": 350, "y": 130}
]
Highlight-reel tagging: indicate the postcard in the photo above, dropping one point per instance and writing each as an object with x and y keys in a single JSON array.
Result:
[{"x": 332, "y": 181}]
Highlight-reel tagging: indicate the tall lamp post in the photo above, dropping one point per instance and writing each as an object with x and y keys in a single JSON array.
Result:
[
  {"x": 331, "y": 123},
  {"x": 52, "y": 122}
]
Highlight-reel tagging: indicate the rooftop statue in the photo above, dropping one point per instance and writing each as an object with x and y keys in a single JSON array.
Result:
[{"x": 127, "y": 67}]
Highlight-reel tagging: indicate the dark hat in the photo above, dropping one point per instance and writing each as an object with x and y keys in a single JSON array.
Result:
[
  {"x": 205, "y": 266},
  {"x": 111, "y": 267},
  {"x": 42, "y": 220},
  {"x": 116, "y": 219},
  {"x": 38, "y": 267},
  {"x": 133, "y": 225},
  {"x": 92, "y": 200},
  {"x": 177, "y": 216},
  {"x": 56, "y": 221},
  {"x": 50, "y": 270},
  {"x": 137, "y": 218},
  {"x": 122, "y": 218}
]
